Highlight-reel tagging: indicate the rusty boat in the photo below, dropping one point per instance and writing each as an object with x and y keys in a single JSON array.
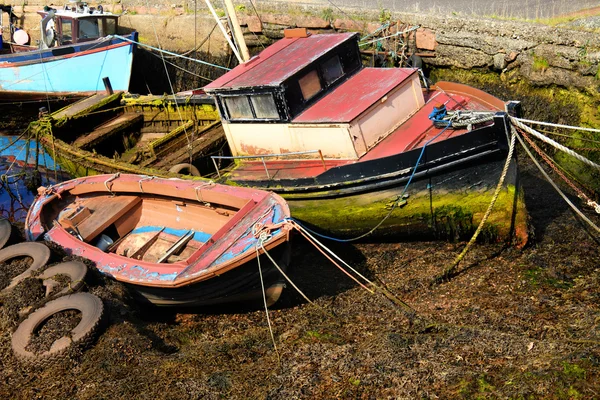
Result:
[
  {"x": 172, "y": 242},
  {"x": 360, "y": 151}
]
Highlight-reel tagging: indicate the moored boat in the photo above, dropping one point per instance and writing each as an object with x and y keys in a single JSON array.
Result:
[
  {"x": 78, "y": 50},
  {"x": 174, "y": 242},
  {"x": 358, "y": 150}
]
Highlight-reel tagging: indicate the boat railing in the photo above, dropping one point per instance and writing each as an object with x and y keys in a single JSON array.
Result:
[{"x": 263, "y": 156}]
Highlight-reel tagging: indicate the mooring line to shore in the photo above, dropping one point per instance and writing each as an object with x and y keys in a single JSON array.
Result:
[
  {"x": 171, "y": 53},
  {"x": 558, "y": 190},
  {"x": 452, "y": 268}
]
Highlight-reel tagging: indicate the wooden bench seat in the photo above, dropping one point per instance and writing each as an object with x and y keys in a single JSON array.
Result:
[{"x": 105, "y": 210}]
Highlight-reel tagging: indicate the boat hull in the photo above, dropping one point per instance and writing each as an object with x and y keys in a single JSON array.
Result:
[
  {"x": 67, "y": 71},
  {"x": 241, "y": 285},
  {"x": 447, "y": 205}
]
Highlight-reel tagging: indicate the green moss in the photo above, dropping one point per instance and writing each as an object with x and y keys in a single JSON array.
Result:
[{"x": 540, "y": 63}]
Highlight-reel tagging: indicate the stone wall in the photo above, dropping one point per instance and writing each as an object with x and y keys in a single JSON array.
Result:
[{"x": 543, "y": 55}]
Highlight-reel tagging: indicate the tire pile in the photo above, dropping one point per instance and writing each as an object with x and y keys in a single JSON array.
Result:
[{"x": 89, "y": 305}]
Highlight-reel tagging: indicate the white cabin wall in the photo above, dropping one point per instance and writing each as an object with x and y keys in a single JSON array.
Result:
[
  {"x": 387, "y": 114},
  {"x": 334, "y": 140}
]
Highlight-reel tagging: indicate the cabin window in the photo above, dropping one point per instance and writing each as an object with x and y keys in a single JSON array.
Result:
[
  {"x": 111, "y": 27},
  {"x": 332, "y": 70},
  {"x": 238, "y": 107},
  {"x": 88, "y": 28},
  {"x": 264, "y": 106},
  {"x": 310, "y": 85},
  {"x": 67, "y": 31}
]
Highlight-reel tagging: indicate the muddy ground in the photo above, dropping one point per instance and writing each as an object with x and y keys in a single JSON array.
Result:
[{"x": 513, "y": 324}]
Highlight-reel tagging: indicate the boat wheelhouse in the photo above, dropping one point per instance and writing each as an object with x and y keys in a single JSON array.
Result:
[{"x": 346, "y": 145}]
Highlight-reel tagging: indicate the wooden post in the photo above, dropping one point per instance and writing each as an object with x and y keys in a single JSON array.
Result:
[{"x": 237, "y": 30}]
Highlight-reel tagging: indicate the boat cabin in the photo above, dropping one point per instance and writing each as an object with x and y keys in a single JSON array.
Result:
[
  {"x": 311, "y": 96},
  {"x": 76, "y": 23}
]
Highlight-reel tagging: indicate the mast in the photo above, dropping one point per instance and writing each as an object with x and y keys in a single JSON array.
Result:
[
  {"x": 237, "y": 30},
  {"x": 216, "y": 17}
]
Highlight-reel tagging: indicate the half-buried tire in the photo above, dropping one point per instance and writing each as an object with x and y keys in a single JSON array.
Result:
[
  {"x": 5, "y": 232},
  {"x": 75, "y": 270},
  {"x": 81, "y": 336},
  {"x": 39, "y": 252},
  {"x": 185, "y": 169}
]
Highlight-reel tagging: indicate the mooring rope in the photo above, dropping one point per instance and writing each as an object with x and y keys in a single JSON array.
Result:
[
  {"x": 553, "y": 143},
  {"x": 171, "y": 53},
  {"x": 554, "y": 167},
  {"x": 577, "y": 128},
  {"x": 448, "y": 271},
  {"x": 555, "y": 186},
  {"x": 261, "y": 239}
]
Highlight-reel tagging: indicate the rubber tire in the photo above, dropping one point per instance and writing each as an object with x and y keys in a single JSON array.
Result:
[
  {"x": 38, "y": 251},
  {"x": 185, "y": 166},
  {"x": 5, "y": 232},
  {"x": 82, "y": 335},
  {"x": 76, "y": 270}
]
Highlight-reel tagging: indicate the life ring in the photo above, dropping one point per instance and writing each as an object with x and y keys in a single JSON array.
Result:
[
  {"x": 38, "y": 251},
  {"x": 82, "y": 335},
  {"x": 185, "y": 167},
  {"x": 5, "y": 232},
  {"x": 75, "y": 270}
]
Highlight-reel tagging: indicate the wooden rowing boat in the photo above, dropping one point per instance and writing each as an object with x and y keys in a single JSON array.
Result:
[{"x": 173, "y": 242}]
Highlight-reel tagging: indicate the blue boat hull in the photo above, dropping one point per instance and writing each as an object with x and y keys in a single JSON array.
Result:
[{"x": 67, "y": 71}]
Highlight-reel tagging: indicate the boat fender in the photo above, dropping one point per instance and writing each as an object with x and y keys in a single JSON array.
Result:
[
  {"x": 188, "y": 169},
  {"x": 415, "y": 61},
  {"x": 81, "y": 336},
  {"x": 39, "y": 252},
  {"x": 5, "y": 232},
  {"x": 75, "y": 270}
]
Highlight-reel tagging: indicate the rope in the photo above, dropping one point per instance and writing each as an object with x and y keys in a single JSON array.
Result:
[
  {"x": 171, "y": 53},
  {"x": 262, "y": 285},
  {"x": 375, "y": 287},
  {"x": 560, "y": 192},
  {"x": 577, "y": 128},
  {"x": 396, "y": 202},
  {"x": 450, "y": 270},
  {"x": 552, "y": 165},
  {"x": 553, "y": 143}
]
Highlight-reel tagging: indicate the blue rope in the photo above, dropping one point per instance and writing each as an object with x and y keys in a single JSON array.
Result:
[
  {"x": 172, "y": 54},
  {"x": 393, "y": 207}
]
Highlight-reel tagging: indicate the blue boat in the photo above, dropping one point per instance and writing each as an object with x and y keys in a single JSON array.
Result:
[{"x": 77, "y": 51}]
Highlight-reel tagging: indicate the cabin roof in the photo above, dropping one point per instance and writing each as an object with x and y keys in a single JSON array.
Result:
[
  {"x": 354, "y": 96},
  {"x": 279, "y": 61},
  {"x": 79, "y": 14}
]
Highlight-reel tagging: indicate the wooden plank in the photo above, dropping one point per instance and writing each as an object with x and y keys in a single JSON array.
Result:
[
  {"x": 84, "y": 106},
  {"x": 105, "y": 211},
  {"x": 106, "y": 130}
]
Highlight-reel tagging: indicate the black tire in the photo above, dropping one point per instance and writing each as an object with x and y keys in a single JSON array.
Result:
[
  {"x": 191, "y": 170},
  {"x": 82, "y": 335},
  {"x": 75, "y": 270},
  {"x": 5, "y": 232},
  {"x": 38, "y": 251}
]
